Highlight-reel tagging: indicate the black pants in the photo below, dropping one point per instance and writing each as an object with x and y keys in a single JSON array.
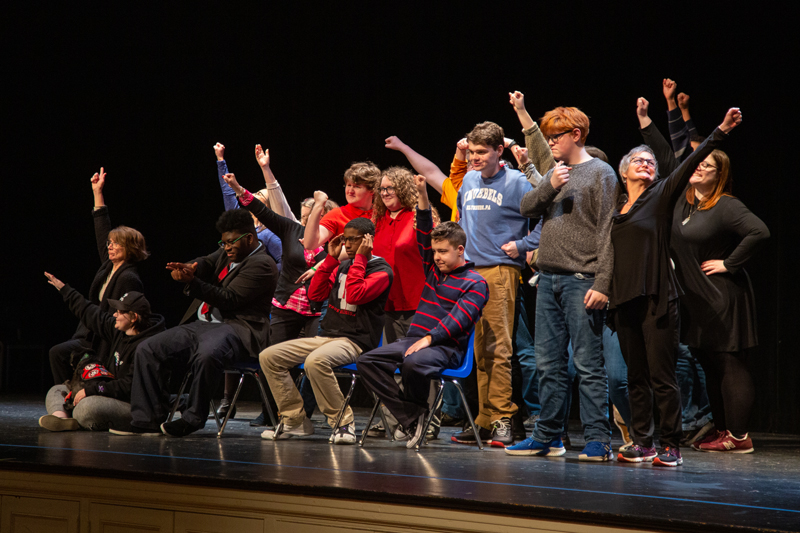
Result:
[
  {"x": 649, "y": 346},
  {"x": 206, "y": 347},
  {"x": 730, "y": 389},
  {"x": 377, "y": 369},
  {"x": 60, "y": 361}
]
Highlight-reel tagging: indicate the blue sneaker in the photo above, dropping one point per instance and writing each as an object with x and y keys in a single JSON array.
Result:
[
  {"x": 596, "y": 451},
  {"x": 531, "y": 447}
]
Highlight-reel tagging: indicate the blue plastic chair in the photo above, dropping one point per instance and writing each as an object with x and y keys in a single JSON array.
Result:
[
  {"x": 454, "y": 376},
  {"x": 350, "y": 371}
]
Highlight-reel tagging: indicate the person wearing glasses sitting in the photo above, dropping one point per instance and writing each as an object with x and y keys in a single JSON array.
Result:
[
  {"x": 228, "y": 320},
  {"x": 120, "y": 250},
  {"x": 453, "y": 297},
  {"x": 645, "y": 291},
  {"x": 357, "y": 290}
]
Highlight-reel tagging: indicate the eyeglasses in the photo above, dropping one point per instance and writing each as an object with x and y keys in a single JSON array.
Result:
[
  {"x": 385, "y": 190},
  {"x": 642, "y": 161},
  {"x": 110, "y": 243},
  {"x": 223, "y": 244},
  {"x": 346, "y": 240},
  {"x": 554, "y": 138},
  {"x": 705, "y": 166}
]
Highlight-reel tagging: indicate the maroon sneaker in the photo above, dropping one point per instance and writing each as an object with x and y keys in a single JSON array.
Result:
[
  {"x": 709, "y": 438},
  {"x": 730, "y": 444}
]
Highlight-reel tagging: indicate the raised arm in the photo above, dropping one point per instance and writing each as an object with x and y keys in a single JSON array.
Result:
[
  {"x": 420, "y": 163},
  {"x": 277, "y": 200},
  {"x": 679, "y": 179},
  {"x": 274, "y": 222},
  {"x": 678, "y": 130},
  {"x": 424, "y": 223},
  {"x": 95, "y": 319},
  {"x": 315, "y": 234},
  {"x": 538, "y": 151},
  {"x": 102, "y": 222},
  {"x": 228, "y": 196},
  {"x": 653, "y": 138}
]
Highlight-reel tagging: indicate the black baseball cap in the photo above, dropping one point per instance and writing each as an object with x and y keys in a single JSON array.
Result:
[{"x": 131, "y": 301}]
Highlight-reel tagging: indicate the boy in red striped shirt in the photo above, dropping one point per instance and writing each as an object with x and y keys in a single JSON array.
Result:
[{"x": 451, "y": 303}]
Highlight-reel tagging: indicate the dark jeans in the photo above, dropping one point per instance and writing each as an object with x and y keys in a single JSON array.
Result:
[
  {"x": 561, "y": 317},
  {"x": 377, "y": 369},
  {"x": 692, "y": 382},
  {"x": 60, "y": 361},
  {"x": 649, "y": 346},
  {"x": 206, "y": 347},
  {"x": 524, "y": 347}
]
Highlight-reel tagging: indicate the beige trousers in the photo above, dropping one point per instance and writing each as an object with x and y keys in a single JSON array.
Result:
[
  {"x": 320, "y": 356},
  {"x": 493, "y": 347}
]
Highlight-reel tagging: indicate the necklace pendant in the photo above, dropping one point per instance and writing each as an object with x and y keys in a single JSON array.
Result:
[{"x": 685, "y": 220}]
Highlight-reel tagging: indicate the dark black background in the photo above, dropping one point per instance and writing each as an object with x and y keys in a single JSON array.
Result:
[{"x": 145, "y": 90}]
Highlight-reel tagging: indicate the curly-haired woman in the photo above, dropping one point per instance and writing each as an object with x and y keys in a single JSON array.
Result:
[{"x": 393, "y": 212}]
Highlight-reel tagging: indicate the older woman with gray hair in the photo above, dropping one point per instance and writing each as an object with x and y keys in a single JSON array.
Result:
[{"x": 644, "y": 293}]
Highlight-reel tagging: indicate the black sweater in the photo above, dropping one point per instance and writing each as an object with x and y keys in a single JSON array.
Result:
[
  {"x": 124, "y": 280},
  {"x": 641, "y": 236},
  {"x": 293, "y": 258},
  {"x": 122, "y": 346}
]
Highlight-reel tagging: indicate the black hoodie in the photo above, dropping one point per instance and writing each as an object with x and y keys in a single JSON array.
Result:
[{"x": 122, "y": 346}]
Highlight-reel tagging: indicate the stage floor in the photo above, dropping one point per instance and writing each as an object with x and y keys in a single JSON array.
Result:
[{"x": 710, "y": 492}]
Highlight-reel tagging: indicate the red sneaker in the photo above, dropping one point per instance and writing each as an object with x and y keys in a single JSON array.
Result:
[
  {"x": 708, "y": 439},
  {"x": 730, "y": 444}
]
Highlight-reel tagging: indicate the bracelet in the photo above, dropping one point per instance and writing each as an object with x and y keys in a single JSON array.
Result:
[{"x": 313, "y": 269}]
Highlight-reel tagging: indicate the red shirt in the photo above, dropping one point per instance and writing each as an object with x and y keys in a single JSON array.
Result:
[
  {"x": 396, "y": 241},
  {"x": 335, "y": 220}
]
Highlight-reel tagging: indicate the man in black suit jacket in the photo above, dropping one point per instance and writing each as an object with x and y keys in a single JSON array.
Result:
[{"x": 228, "y": 321}]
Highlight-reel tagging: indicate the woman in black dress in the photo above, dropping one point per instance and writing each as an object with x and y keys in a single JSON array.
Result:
[
  {"x": 644, "y": 293},
  {"x": 713, "y": 235}
]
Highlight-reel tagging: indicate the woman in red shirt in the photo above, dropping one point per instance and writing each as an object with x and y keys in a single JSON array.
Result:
[{"x": 394, "y": 215}]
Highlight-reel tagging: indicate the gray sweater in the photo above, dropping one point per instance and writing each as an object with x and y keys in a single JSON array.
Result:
[{"x": 576, "y": 234}]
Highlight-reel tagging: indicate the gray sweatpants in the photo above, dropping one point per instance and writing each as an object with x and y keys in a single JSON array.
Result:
[{"x": 97, "y": 413}]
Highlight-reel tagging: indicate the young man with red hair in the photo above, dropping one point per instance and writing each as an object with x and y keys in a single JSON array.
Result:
[{"x": 576, "y": 201}]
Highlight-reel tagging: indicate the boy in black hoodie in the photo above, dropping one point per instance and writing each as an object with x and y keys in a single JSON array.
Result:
[{"x": 102, "y": 405}]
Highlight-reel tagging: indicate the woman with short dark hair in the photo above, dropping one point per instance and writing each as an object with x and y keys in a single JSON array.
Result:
[{"x": 119, "y": 249}]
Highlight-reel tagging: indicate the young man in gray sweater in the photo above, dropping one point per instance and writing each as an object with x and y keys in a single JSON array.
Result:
[{"x": 576, "y": 199}]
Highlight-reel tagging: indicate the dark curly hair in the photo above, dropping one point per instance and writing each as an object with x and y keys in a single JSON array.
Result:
[
  {"x": 238, "y": 220},
  {"x": 403, "y": 182}
]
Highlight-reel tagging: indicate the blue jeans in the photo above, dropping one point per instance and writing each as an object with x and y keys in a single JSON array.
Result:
[
  {"x": 692, "y": 382},
  {"x": 526, "y": 350},
  {"x": 561, "y": 317},
  {"x": 451, "y": 402}
]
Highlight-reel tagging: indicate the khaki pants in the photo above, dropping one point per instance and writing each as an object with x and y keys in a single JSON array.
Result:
[
  {"x": 320, "y": 355},
  {"x": 493, "y": 348}
]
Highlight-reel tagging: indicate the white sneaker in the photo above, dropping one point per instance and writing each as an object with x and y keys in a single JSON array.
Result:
[
  {"x": 286, "y": 430},
  {"x": 345, "y": 434}
]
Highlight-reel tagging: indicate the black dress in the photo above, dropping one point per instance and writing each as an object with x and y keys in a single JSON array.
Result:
[{"x": 718, "y": 312}]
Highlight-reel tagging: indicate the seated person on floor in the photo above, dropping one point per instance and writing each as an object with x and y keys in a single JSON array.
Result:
[
  {"x": 357, "y": 290},
  {"x": 233, "y": 289},
  {"x": 451, "y": 303},
  {"x": 104, "y": 403}
]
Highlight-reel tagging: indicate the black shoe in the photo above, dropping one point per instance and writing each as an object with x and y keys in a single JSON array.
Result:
[
  {"x": 433, "y": 428},
  {"x": 224, "y": 406},
  {"x": 260, "y": 420},
  {"x": 501, "y": 433},
  {"x": 468, "y": 436},
  {"x": 518, "y": 428},
  {"x": 449, "y": 421},
  {"x": 178, "y": 428}
]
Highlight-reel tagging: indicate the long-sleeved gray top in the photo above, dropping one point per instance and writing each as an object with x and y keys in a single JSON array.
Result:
[{"x": 576, "y": 230}]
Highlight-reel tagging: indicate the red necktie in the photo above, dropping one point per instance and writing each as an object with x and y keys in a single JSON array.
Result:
[{"x": 206, "y": 308}]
